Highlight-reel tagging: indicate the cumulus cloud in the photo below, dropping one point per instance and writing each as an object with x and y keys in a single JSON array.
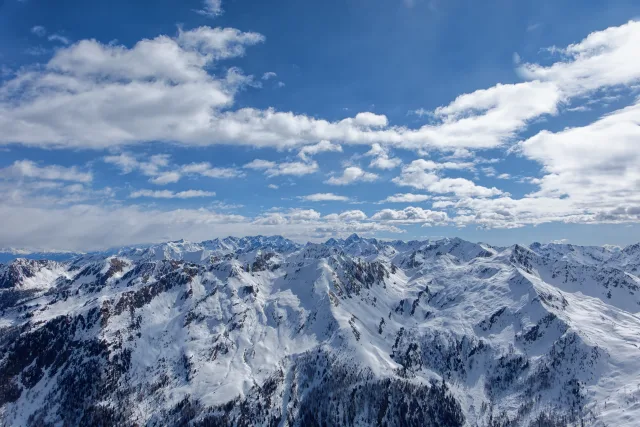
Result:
[
  {"x": 420, "y": 174},
  {"x": 269, "y": 75},
  {"x": 161, "y": 90},
  {"x": 372, "y": 120},
  {"x": 324, "y": 197},
  {"x": 157, "y": 90},
  {"x": 321, "y": 147},
  {"x": 353, "y": 215},
  {"x": 166, "y": 178},
  {"x": 293, "y": 216},
  {"x": 605, "y": 58},
  {"x": 172, "y": 89},
  {"x": 259, "y": 164},
  {"x": 352, "y": 175},
  {"x": 412, "y": 214},
  {"x": 462, "y": 187},
  {"x": 385, "y": 162},
  {"x": 406, "y": 198},
  {"x": 593, "y": 167},
  {"x": 382, "y": 159},
  {"x": 286, "y": 168},
  {"x": 293, "y": 168}
]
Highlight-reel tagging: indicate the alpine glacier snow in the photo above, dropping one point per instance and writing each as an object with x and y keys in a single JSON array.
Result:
[{"x": 266, "y": 331}]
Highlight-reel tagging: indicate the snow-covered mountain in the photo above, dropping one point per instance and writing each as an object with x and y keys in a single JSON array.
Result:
[{"x": 264, "y": 331}]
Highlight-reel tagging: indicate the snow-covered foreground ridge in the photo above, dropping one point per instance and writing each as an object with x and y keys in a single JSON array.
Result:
[{"x": 264, "y": 331}]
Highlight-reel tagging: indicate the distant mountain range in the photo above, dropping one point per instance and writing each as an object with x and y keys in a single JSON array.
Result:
[{"x": 266, "y": 331}]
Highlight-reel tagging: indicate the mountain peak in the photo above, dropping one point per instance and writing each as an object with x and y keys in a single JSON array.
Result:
[
  {"x": 352, "y": 238},
  {"x": 262, "y": 328}
]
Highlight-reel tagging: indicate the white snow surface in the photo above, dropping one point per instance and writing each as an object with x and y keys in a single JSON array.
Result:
[{"x": 506, "y": 328}]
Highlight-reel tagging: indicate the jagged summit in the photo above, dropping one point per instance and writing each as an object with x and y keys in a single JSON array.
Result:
[{"x": 262, "y": 330}]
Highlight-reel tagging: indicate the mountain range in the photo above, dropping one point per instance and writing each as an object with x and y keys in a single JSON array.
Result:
[{"x": 266, "y": 331}]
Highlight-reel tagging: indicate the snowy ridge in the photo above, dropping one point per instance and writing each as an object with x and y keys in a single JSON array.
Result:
[{"x": 264, "y": 331}]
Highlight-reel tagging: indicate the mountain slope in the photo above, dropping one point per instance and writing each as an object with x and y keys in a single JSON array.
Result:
[{"x": 263, "y": 331}]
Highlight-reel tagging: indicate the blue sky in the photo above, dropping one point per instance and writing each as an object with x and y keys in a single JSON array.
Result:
[{"x": 134, "y": 122}]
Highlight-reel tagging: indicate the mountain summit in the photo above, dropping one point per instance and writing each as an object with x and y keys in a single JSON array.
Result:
[{"x": 265, "y": 331}]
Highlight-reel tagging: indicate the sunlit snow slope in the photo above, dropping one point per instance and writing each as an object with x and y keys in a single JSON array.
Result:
[{"x": 264, "y": 331}]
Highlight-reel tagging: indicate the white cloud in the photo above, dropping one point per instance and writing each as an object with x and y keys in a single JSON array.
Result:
[
  {"x": 354, "y": 215},
  {"x": 406, "y": 198},
  {"x": 157, "y": 90},
  {"x": 85, "y": 227},
  {"x": 287, "y": 168},
  {"x": 124, "y": 161},
  {"x": 166, "y": 194},
  {"x": 161, "y": 90},
  {"x": 293, "y": 216},
  {"x": 351, "y": 175},
  {"x": 162, "y": 173},
  {"x": 422, "y": 164},
  {"x": 321, "y": 147},
  {"x": 595, "y": 167},
  {"x": 269, "y": 75},
  {"x": 384, "y": 162},
  {"x": 460, "y": 153},
  {"x": 212, "y": 44},
  {"x": 273, "y": 186},
  {"x": 382, "y": 159},
  {"x": 420, "y": 174},
  {"x": 225, "y": 206},
  {"x": 293, "y": 168},
  {"x": 412, "y": 214},
  {"x": 41, "y": 192},
  {"x": 39, "y": 30},
  {"x": 491, "y": 117},
  {"x": 421, "y": 112},
  {"x": 58, "y": 38},
  {"x": 21, "y": 169},
  {"x": 516, "y": 58},
  {"x": 603, "y": 59},
  {"x": 489, "y": 171},
  {"x": 91, "y": 95},
  {"x": 211, "y": 8},
  {"x": 260, "y": 164},
  {"x": 205, "y": 169},
  {"x": 128, "y": 163},
  {"x": 372, "y": 120},
  {"x": 324, "y": 197},
  {"x": 61, "y": 223},
  {"x": 463, "y": 188},
  {"x": 166, "y": 178}
]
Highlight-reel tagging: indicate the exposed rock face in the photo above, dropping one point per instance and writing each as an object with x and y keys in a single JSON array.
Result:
[{"x": 263, "y": 331}]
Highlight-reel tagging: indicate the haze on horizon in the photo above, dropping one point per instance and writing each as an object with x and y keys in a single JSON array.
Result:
[{"x": 125, "y": 124}]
